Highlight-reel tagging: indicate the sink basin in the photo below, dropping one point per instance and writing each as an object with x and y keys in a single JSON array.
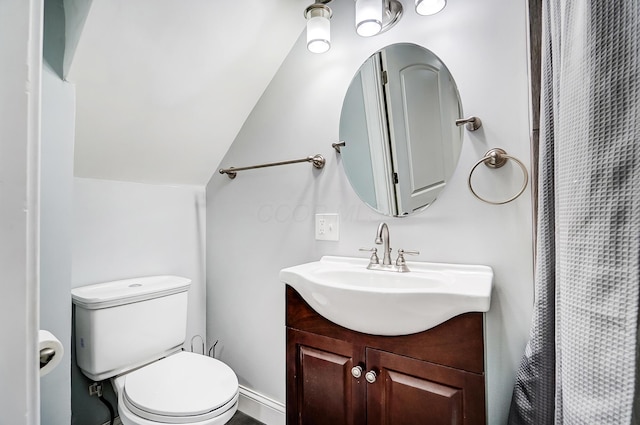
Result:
[{"x": 377, "y": 302}]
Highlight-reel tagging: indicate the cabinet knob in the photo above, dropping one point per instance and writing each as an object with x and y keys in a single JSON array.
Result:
[
  {"x": 356, "y": 371},
  {"x": 370, "y": 376}
]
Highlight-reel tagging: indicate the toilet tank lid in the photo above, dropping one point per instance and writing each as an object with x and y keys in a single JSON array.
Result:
[{"x": 119, "y": 292}]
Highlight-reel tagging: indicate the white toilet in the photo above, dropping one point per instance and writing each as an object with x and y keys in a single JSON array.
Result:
[{"x": 132, "y": 331}]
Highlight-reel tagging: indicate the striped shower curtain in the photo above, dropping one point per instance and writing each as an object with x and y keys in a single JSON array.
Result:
[{"x": 581, "y": 363}]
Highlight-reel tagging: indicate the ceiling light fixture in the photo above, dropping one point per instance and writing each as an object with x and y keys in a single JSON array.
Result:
[
  {"x": 372, "y": 17},
  {"x": 368, "y": 17},
  {"x": 429, "y": 7},
  {"x": 376, "y": 16},
  {"x": 318, "y": 27}
]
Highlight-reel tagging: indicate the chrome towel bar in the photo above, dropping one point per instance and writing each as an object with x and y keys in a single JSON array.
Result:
[{"x": 316, "y": 160}]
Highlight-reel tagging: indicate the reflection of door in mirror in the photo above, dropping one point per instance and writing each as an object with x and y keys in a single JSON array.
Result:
[
  {"x": 365, "y": 118},
  {"x": 422, "y": 108}
]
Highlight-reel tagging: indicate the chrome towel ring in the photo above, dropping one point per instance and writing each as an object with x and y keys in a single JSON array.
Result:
[{"x": 496, "y": 158}]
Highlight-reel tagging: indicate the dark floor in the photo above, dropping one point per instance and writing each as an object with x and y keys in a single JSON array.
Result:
[{"x": 241, "y": 419}]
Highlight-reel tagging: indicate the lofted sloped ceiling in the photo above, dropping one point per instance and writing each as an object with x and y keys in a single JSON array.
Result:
[{"x": 164, "y": 86}]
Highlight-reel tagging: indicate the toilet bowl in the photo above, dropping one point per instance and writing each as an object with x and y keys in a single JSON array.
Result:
[
  {"x": 131, "y": 331},
  {"x": 184, "y": 388}
]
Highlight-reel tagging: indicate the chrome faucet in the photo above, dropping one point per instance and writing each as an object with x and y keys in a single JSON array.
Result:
[{"x": 382, "y": 236}]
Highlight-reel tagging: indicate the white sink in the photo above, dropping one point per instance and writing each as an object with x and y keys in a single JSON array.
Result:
[{"x": 387, "y": 302}]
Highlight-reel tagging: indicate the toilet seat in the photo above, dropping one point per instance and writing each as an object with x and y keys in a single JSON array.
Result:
[
  {"x": 129, "y": 418},
  {"x": 184, "y": 388}
]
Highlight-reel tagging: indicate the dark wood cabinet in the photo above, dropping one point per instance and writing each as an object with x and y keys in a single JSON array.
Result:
[
  {"x": 323, "y": 389},
  {"x": 430, "y": 378}
]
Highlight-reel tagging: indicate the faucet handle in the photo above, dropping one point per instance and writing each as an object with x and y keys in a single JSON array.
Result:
[
  {"x": 374, "y": 260},
  {"x": 400, "y": 263}
]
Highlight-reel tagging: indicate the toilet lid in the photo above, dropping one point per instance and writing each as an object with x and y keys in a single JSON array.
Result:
[{"x": 182, "y": 386}]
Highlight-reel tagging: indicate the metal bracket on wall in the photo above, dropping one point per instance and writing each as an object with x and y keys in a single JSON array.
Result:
[
  {"x": 472, "y": 123},
  {"x": 339, "y": 145}
]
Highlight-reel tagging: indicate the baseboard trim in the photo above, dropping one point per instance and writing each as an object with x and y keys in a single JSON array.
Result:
[
  {"x": 116, "y": 421},
  {"x": 260, "y": 407}
]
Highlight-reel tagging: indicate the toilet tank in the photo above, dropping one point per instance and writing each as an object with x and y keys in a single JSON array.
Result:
[{"x": 124, "y": 324}]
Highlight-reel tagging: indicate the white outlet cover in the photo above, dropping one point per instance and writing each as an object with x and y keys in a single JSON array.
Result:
[{"x": 327, "y": 227}]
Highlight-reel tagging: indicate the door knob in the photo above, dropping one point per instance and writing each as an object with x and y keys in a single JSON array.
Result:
[
  {"x": 356, "y": 371},
  {"x": 370, "y": 376}
]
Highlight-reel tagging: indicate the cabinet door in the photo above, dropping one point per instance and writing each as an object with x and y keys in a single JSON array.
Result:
[
  {"x": 414, "y": 392},
  {"x": 320, "y": 386}
]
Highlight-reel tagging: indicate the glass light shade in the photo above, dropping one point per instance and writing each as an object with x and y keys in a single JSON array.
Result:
[
  {"x": 368, "y": 17},
  {"x": 318, "y": 29},
  {"x": 429, "y": 7}
]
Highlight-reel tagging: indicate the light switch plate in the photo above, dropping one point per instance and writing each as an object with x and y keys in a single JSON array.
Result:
[{"x": 327, "y": 227}]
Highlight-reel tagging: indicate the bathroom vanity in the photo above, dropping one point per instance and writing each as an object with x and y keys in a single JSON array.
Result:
[{"x": 339, "y": 376}]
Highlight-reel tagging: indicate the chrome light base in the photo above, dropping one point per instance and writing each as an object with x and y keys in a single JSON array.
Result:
[
  {"x": 318, "y": 5},
  {"x": 391, "y": 14}
]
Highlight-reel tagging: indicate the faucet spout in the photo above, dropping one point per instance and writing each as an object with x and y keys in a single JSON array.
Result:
[{"x": 382, "y": 237}]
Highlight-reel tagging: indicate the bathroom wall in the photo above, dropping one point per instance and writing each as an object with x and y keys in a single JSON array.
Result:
[
  {"x": 20, "y": 77},
  {"x": 76, "y": 12},
  {"x": 56, "y": 198},
  {"x": 264, "y": 219},
  {"x": 123, "y": 230}
]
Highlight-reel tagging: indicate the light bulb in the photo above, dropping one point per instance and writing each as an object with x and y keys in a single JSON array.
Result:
[
  {"x": 368, "y": 17},
  {"x": 318, "y": 28},
  {"x": 429, "y": 7}
]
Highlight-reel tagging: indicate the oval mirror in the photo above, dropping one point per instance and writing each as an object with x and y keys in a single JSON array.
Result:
[{"x": 398, "y": 124}]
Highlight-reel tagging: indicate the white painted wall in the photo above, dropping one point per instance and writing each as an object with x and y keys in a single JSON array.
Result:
[
  {"x": 123, "y": 230},
  {"x": 75, "y": 14},
  {"x": 20, "y": 78},
  {"x": 173, "y": 77},
  {"x": 264, "y": 219},
  {"x": 56, "y": 189}
]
